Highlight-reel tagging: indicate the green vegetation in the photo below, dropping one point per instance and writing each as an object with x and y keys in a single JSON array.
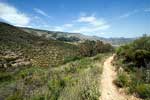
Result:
[
  {"x": 122, "y": 80},
  {"x": 78, "y": 80},
  {"x": 135, "y": 61},
  {"x": 68, "y": 39},
  {"x": 143, "y": 90},
  {"x": 71, "y": 58},
  {"x": 91, "y": 48},
  {"x": 38, "y": 50},
  {"x": 35, "y": 68}
]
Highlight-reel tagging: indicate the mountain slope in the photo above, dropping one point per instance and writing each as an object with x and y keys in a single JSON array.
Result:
[
  {"x": 25, "y": 61},
  {"x": 57, "y": 35},
  {"x": 134, "y": 60},
  {"x": 38, "y": 50}
]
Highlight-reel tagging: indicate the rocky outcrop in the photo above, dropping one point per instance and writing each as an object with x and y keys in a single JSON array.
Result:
[{"x": 11, "y": 60}]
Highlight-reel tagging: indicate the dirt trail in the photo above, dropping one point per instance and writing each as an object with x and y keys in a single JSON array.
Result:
[{"x": 108, "y": 89}]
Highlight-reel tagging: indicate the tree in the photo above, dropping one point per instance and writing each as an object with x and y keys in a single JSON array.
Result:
[{"x": 91, "y": 48}]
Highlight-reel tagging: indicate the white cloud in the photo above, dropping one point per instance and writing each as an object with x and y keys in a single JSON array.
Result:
[
  {"x": 12, "y": 15},
  {"x": 85, "y": 24},
  {"x": 128, "y": 14},
  {"x": 91, "y": 24},
  {"x": 39, "y": 11},
  {"x": 91, "y": 20}
]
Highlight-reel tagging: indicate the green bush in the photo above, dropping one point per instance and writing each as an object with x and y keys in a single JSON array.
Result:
[
  {"x": 140, "y": 57},
  {"x": 90, "y": 93},
  {"x": 39, "y": 97},
  {"x": 135, "y": 61},
  {"x": 122, "y": 80},
  {"x": 98, "y": 57},
  {"x": 71, "y": 69},
  {"x": 137, "y": 52},
  {"x": 143, "y": 90},
  {"x": 118, "y": 51},
  {"x": 133, "y": 84},
  {"x": 15, "y": 96},
  {"x": 56, "y": 86},
  {"x": 71, "y": 58},
  {"x": 5, "y": 76}
]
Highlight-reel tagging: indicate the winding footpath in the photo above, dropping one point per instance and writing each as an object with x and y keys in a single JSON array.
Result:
[{"x": 108, "y": 90}]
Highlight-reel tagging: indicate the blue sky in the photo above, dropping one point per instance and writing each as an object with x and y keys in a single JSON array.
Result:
[{"x": 104, "y": 18}]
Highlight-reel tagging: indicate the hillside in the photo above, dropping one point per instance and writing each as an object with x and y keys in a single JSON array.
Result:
[
  {"x": 40, "y": 51},
  {"x": 25, "y": 56},
  {"x": 133, "y": 67},
  {"x": 33, "y": 67},
  {"x": 75, "y": 37}
]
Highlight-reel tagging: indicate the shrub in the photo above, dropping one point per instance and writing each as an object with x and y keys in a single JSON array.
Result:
[
  {"x": 71, "y": 69},
  {"x": 122, "y": 80},
  {"x": 39, "y": 97},
  {"x": 5, "y": 76},
  {"x": 143, "y": 90},
  {"x": 134, "y": 83},
  {"x": 118, "y": 51},
  {"x": 136, "y": 52},
  {"x": 77, "y": 80},
  {"x": 136, "y": 60},
  {"x": 71, "y": 58},
  {"x": 68, "y": 39},
  {"x": 98, "y": 57},
  {"x": 90, "y": 93},
  {"x": 15, "y": 96},
  {"x": 141, "y": 56},
  {"x": 56, "y": 86}
]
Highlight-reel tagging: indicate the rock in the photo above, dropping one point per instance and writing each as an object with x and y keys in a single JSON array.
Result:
[
  {"x": 5, "y": 66},
  {"x": 25, "y": 63}
]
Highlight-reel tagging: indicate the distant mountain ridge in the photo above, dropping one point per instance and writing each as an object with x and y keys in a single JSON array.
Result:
[{"x": 81, "y": 37}]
